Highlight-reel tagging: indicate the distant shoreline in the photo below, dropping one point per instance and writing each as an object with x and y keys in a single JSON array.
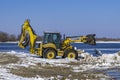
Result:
[{"x": 107, "y": 41}]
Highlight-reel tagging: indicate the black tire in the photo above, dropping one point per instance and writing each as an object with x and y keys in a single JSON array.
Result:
[
  {"x": 71, "y": 54},
  {"x": 49, "y": 53}
]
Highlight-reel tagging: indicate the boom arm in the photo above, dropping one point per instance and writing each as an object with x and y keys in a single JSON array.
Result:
[
  {"x": 24, "y": 40},
  {"x": 88, "y": 39}
]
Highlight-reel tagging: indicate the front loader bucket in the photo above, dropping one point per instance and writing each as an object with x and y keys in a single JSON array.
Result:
[{"x": 91, "y": 39}]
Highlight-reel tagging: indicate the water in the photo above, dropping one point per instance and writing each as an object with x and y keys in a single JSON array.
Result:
[
  {"x": 6, "y": 47},
  {"x": 107, "y": 48},
  {"x": 115, "y": 74},
  {"x": 103, "y": 47}
]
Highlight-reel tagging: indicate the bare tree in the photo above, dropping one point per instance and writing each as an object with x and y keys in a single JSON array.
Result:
[
  {"x": 3, "y": 36},
  {"x": 12, "y": 38},
  {"x": 6, "y": 37}
]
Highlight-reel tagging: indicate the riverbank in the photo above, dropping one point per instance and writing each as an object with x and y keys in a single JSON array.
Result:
[{"x": 24, "y": 66}]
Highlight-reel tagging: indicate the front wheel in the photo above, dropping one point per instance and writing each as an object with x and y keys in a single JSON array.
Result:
[
  {"x": 71, "y": 54},
  {"x": 50, "y": 53}
]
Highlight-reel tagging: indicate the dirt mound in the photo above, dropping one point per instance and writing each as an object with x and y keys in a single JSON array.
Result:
[{"x": 8, "y": 58}]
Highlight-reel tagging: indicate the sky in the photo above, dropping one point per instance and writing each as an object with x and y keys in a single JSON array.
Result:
[{"x": 70, "y": 17}]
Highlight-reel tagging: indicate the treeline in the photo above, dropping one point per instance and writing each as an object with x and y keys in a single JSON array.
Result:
[
  {"x": 7, "y": 37},
  {"x": 4, "y": 37}
]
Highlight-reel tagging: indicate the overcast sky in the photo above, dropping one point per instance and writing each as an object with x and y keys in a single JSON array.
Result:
[{"x": 71, "y": 17}]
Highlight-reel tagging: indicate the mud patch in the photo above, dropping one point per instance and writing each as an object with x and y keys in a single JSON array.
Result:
[
  {"x": 57, "y": 72},
  {"x": 8, "y": 58}
]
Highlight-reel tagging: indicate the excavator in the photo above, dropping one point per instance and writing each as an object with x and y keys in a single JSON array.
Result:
[{"x": 52, "y": 44}]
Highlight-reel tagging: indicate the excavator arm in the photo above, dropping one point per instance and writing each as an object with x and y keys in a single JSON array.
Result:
[
  {"x": 28, "y": 37},
  {"x": 88, "y": 39}
]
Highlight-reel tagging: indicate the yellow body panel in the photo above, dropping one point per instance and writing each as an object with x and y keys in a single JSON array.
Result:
[{"x": 49, "y": 45}]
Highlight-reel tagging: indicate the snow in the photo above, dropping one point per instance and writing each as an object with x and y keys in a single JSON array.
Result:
[
  {"x": 108, "y": 42},
  {"x": 10, "y": 42},
  {"x": 88, "y": 63},
  {"x": 101, "y": 62}
]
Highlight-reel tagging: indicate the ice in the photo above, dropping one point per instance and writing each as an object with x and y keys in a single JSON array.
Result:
[
  {"x": 10, "y": 42},
  {"x": 101, "y": 62},
  {"x": 108, "y": 41}
]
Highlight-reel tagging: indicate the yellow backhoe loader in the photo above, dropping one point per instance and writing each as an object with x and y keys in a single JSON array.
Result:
[{"x": 52, "y": 45}]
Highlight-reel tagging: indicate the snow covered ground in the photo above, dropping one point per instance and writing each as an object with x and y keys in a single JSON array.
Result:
[{"x": 89, "y": 63}]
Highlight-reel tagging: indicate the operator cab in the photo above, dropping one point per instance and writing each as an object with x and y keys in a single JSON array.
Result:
[{"x": 52, "y": 37}]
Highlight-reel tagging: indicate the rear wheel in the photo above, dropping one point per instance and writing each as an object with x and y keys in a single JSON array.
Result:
[
  {"x": 50, "y": 53},
  {"x": 71, "y": 54}
]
